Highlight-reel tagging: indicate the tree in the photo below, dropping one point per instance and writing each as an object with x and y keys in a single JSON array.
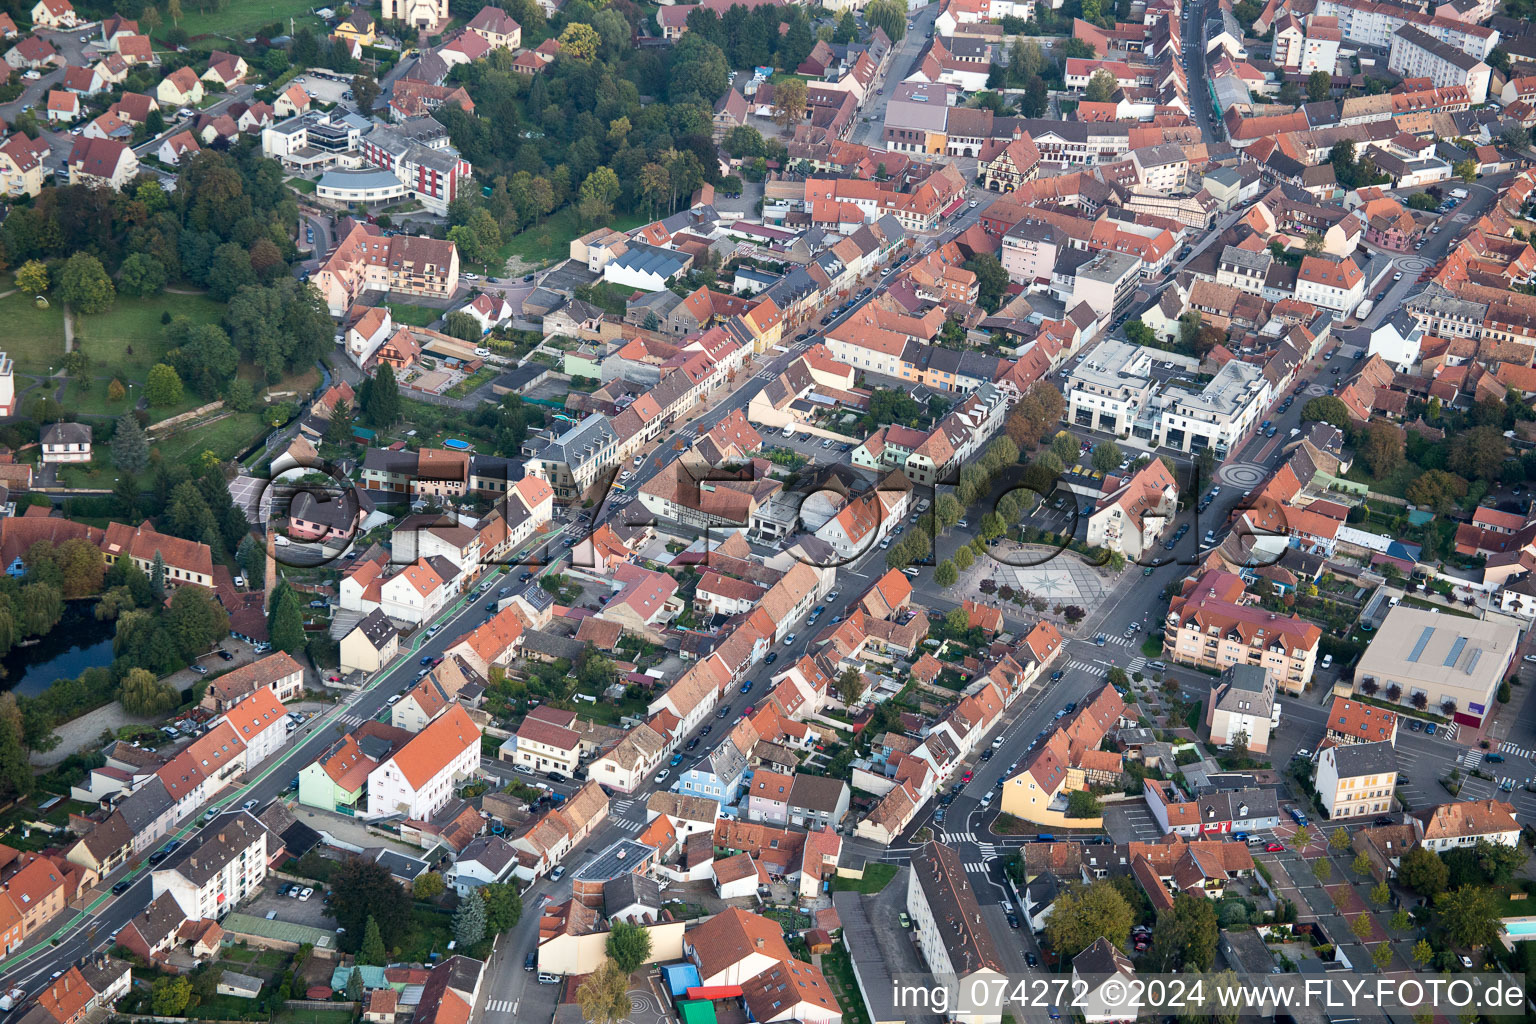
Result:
[
  {"x": 84, "y": 284},
  {"x": 461, "y": 325},
  {"x": 365, "y": 90},
  {"x": 789, "y": 101},
  {"x": 945, "y": 575},
  {"x": 130, "y": 447},
  {"x": 1423, "y": 952},
  {"x": 1466, "y": 170},
  {"x": 850, "y": 686},
  {"x": 1400, "y": 921},
  {"x": 1101, "y": 87},
  {"x": 143, "y": 694},
  {"x": 1065, "y": 447},
  {"x": 169, "y": 996},
  {"x": 1469, "y": 915},
  {"x": 1338, "y": 839},
  {"x": 1361, "y": 865},
  {"x": 157, "y": 577},
  {"x": 1436, "y": 490},
  {"x": 890, "y": 16},
  {"x": 604, "y": 996},
  {"x": 503, "y": 907},
  {"x": 1381, "y": 956},
  {"x": 1106, "y": 456},
  {"x": 173, "y": 8},
  {"x": 361, "y": 889},
  {"x": 354, "y": 986},
  {"x": 1327, "y": 409},
  {"x": 629, "y": 946},
  {"x": 141, "y": 275},
  {"x": 1319, "y": 86},
  {"x": 1360, "y": 927},
  {"x": 380, "y": 397},
  {"x": 1301, "y": 837},
  {"x": 1185, "y": 936},
  {"x": 372, "y": 952},
  {"x": 1083, "y": 804},
  {"x": 1138, "y": 333},
  {"x": 579, "y": 42},
  {"x": 32, "y": 277},
  {"x": 338, "y": 428},
  {"x": 1083, "y": 913},
  {"x": 1381, "y": 894},
  {"x": 1423, "y": 872},
  {"x": 16, "y": 779},
  {"x": 428, "y": 886},
  {"x": 286, "y": 626},
  {"x": 1323, "y": 869},
  {"x": 598, "y": 193},
  {"x": 1381, "y": 445},
  {"x": 469, "y": 919},
  {"x": 163, "y": 387}
]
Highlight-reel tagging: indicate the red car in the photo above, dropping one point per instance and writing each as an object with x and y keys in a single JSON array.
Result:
[
  {"x": 1273, "y": 848},
  {"x": 966, "y": 777}
]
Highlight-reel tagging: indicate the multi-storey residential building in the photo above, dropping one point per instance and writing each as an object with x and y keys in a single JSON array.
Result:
[
  {"x": 316, "y": 140},
  {"x": 1374, "y": 24},
  {"x": 571, "y": 461},
  {"x": 1336, "y": 284},
  {"x": 261, "y": 723},
  {"x": 102, "y": 163},
  {"x": 1243, "y": 704},
  {"x": 39, "y": 890},
  {"x": 1417, "y": 54},
  {"x": 1217, "y": 416},
  {"x": 221, "y": 865},
  {"x": 1210, "y": 626},
  {"x": 1451, "y": 665},
  {"x": 1109, "y": 388},
  {"x": 1029, "y": 252},
  {"x": 1106, "y": 282},
  {"x": 417, "y": 153},
  {"x": 185, "y": 561},
  {"x": 948, "y": 928},
  {"x": 1356, "y": 779},
  {"x": 21, "y": 165},
  {"x": 419, "y": 778},
  {"x": 1133, "y": 515},
  {"x": 279, "y": 672},
  {"x": 367, "y": 261}
]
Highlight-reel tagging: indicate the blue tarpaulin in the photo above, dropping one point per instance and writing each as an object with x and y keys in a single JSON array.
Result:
[{"x": 679, "y": 978}]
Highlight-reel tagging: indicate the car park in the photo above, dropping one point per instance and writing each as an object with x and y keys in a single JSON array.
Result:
[{"x": 1429, "y": 728}]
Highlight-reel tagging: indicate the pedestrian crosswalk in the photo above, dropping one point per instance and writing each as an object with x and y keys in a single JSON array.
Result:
[
  {"x": 1083, "y": 666},
  {"x": 1470, "y": 760},
  {"x": 959, "y": 837},
  {"x": 1136, "y": 665},
  {"x": 622, "y": 807},
  {"x": 351, "y": 720},
  {"x": 499, "y": 1006},
  {"x": 977, "y": 867}
]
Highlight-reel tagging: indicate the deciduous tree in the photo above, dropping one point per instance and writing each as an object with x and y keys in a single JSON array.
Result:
[{"x": 629, "y": 946}]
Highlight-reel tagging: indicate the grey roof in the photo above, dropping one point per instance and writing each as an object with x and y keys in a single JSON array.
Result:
[
  {"x": 952, "y": 902},
  {"x": 816, "y": 792},
  {"x": 399, "y": 865},
  {"x": 630, "y": 890},
  {"x": 578, "y": 444},
  {"x": 364, "y": 179},
  {"x": 66, "y": 433},
  {"x": 619, "y": 859},
  {"x": 406, "y": 142},
  {"x": 1101, "y": 960},
  {"x": 726, "y": 762},
  {"x": 553, "y": 645},
  {"x": 241, "y": 981},
  {"x": 1364, "y": 759},
  {"x": 492, "y": 851},
  {"x": 162, "y": 917},
  {"x": 214, "y": 846},
  {"x": 145, "y": 805},
  {"x": 649, "y": 259},
  {"x": 1416, "y": 36}
]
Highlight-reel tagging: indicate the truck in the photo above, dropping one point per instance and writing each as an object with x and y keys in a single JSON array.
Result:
[
  {"x": 1364, "y": 309},
  {"x": 1458, "y": 193},
  {"x": 10, "y": 999}
]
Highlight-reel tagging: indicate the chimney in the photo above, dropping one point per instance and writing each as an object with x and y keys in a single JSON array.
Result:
[{"x": 759, "y": 942}]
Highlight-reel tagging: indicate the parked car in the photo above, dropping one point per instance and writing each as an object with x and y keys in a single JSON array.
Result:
[
  {"x": 555, "y": 875},
  {"x": 531, "y": 961},
  {"x": 662, "y": 775},
  {"x": 1274, "y": 848},
  {"x": 121, "y": 887}
]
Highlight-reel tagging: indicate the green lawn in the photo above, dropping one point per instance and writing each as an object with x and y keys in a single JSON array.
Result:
[
  {"x": 126, "y": 341},
  {"x": 838, "y": 970},
  {"x": 34, "y": 338},
  {"x": 314, "y": 1017},
  {"x": 228, "y": 1008},
  {"x": 303, "y": 185},
  {"x": 876, "y": 877},
  {"x": 226, "y": 438},
  {"x": 431, "y": 931},
  {"x": 240, "y": 17},
  {"x": 550, "y": 241},
  {"x": 413, "y": 316}
]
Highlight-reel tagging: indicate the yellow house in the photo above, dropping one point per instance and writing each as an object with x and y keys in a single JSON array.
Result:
[
  {"x": 1356, "y": 779},
  {"x": 54, "y": 14},
  {"x": 358, "y": 26},
  {"x": 21, "y": 165},
  {"x": 180, "y": 88},
  {"x": 372, "y": 644}
]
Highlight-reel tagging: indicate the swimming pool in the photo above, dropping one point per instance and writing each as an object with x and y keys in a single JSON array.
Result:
[
  {"x": 455, "y": 444},
  {"x": 1523, "y": 929}
]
